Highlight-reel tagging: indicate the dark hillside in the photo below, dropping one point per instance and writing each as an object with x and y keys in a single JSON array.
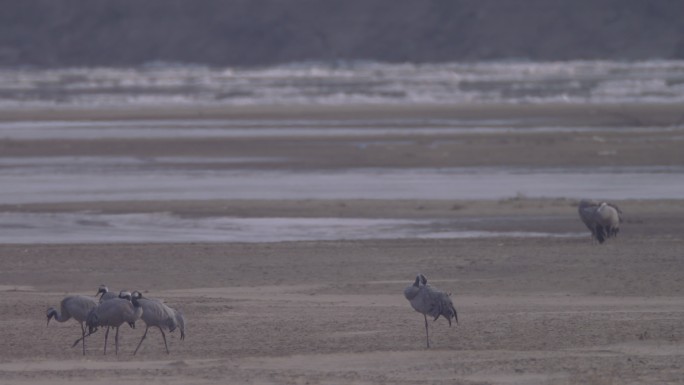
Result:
[{"x": 257, "y": 32}]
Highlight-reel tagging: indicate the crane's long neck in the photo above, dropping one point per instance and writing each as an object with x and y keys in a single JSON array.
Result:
[
  {"x": 136, "y": 306},
  {"x": 59, "y": 317}
]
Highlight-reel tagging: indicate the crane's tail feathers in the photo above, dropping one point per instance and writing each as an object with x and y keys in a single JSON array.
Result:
[
  {"x": 450, "y": 315},
  {"x": 423, "y": 280}
]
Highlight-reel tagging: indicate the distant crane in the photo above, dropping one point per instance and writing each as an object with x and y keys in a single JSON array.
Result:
[
  {"x": 74, "y": 306},
  {"x": 114, "y": 313},
  {"x": 601, "y": 218},
  {"x": 156, "y": 313},
  {"x": 428, "y": 300}
]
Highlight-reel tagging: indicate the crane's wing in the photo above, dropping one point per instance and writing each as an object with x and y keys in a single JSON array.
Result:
[{"x": 587, "y": 213}]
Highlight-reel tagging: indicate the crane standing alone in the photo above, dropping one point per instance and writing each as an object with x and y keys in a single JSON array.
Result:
[
  {"x": 602, "y": 219},
  {"x": 428, "y": 300},
  {"x": 74, "y": 306},
  {"x": 156, "y": 313}
]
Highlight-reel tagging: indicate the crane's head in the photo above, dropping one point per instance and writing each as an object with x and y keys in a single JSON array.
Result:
[
  {"x": 51, "y": 313},
  {"x": 102, "y": 290},
  {"x": 180, "y": 321},
  {"x": 125, "y": 295},
  {"x": 416, "y": 283},
  {"x": 135, "y": 296}
]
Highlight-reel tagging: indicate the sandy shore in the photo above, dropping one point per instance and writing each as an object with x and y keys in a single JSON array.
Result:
[{"x": 531, "y": 310}]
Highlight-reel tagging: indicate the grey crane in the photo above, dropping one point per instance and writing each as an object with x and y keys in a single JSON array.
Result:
[
  {"x": 114, "y": 313},
  {"x": 74, "y": 306},
  {"x": 601, "y": 218},
  {"x": 123, "y": 295},
  {"x": 428, "y": 300},
  {"x": 156, "y": 313}
]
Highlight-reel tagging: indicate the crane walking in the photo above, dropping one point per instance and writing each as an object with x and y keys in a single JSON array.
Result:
[
  {"x": 74, "y": 306},
  {"x": 107, "y": 295},
  {"x": 114, "y": 313},
  {"x": 156, "y": 313}
]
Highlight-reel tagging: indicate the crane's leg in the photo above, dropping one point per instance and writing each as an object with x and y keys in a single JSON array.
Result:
[
  {"x": 106, "y": 336},
  {"x": 83, "y": 337},
  {"x": 141, "y": 340},
  {"x": 116, "y": 341},
  {"x": 164, "y": 337},
  {"x": 427, "y": 336}
]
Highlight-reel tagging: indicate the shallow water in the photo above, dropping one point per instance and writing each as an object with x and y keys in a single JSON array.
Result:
[
  {"x": 190, "y": 129},
  {"x": 80, "y": 179},
  {"x": 87, "y": 227},
  {"x": 25, "y": 180}
]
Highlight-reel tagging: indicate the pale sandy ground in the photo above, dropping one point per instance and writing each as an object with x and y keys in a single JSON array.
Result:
[{"x": 531, "y": 311}]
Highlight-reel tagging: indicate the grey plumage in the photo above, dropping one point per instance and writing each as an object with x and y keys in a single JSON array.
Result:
[
  {"x": 122, "y": 294},
  {"x": 428, "y": 300},
  {"x": 74, "y": 306},
  {"x": 114, "y": 313},
  {"x": 601, "y": 218},
  {"x": 157, "y": 314}
]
